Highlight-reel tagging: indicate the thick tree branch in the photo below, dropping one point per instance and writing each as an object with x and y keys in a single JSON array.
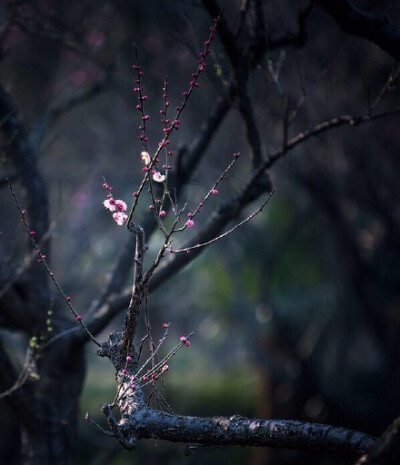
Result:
[
  {"x": 13, "y": 299},
  {"x": 56, "y": 111},
  {"x": 35, "y": 22},
  {"x": 139, "y": 421},
  {"x": 191, "y": 156},
  {"x": 338, "y": 121},
  {"x": 226, "y": 35},
  {"x": 361, "y": 23},
  {"x": 35, "y": 195},
  {"x": 147, "y": 423},
  {"x": 137, "y": 289},
  {"x": 294, "y": 39},
  {"x": 18, "y": 399}
]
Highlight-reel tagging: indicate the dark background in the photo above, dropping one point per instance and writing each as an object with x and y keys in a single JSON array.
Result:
[{"x": 297, "y": 313}]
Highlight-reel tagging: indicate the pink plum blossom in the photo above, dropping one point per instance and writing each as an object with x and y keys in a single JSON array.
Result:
[
  {"x": 120, "y": 217},
  {"x": 110, "y": 204},
  {"x": 121, "y": 205}
]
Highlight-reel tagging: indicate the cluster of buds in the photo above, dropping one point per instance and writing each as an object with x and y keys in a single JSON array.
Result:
[
  {"x": 185, "y": 341},
  {"x": 138, "y": 89},
  {"x": 116, "y": 207}
]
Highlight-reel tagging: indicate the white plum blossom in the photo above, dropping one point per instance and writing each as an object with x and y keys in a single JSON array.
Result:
[
  {"x": 146, "y": 159},
  {"x": 158, "y": 177}
]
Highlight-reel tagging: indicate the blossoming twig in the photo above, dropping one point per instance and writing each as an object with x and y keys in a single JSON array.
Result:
[
  {"x": 190, "y": 222},
  {"x": 179, "y": 109},
  {"x": 42, "y": 259},
  {"x": 237, "y": 226},
  {"x": 141, "y": 98}
]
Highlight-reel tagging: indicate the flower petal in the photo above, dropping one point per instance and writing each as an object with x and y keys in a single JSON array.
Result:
[{"x": 158, "y": 177}]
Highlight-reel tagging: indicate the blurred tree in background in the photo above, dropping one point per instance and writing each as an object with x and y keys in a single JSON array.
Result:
[{"x": 298, "y": 312}]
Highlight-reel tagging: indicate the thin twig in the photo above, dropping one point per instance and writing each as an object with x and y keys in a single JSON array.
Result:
[
  {"x": 43, "y": 260},
  {"x": 23, "y": 376},
  {"x": 227, "y": 233}
]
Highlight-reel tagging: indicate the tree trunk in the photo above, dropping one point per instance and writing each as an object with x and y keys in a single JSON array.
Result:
[{"x": 52, "y": 439}]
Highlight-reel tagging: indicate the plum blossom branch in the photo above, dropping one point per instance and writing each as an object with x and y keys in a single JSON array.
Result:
[
  {"x": 227, "y": 233},
  {"x": 43, "y": 261},
  {"x": 227, "y": 212},
  {"x": 201, "y": 65},
  {"x": 213, "y": 191},
  {"x": 141, "y": 98},
  {"x": 139, "y": 380},
  {"x": 137, "y": 289}
]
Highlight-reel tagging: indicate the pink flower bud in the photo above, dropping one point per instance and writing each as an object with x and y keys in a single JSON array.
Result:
[
  {"x": 128, "y": 358},
  {"x": 189, "y": 223},
  {"x": 185, "y": 341},
  {"x": 79, "y": 317}
]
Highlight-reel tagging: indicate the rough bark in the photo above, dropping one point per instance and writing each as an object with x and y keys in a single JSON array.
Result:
[{"x": 54, "y": 399}]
